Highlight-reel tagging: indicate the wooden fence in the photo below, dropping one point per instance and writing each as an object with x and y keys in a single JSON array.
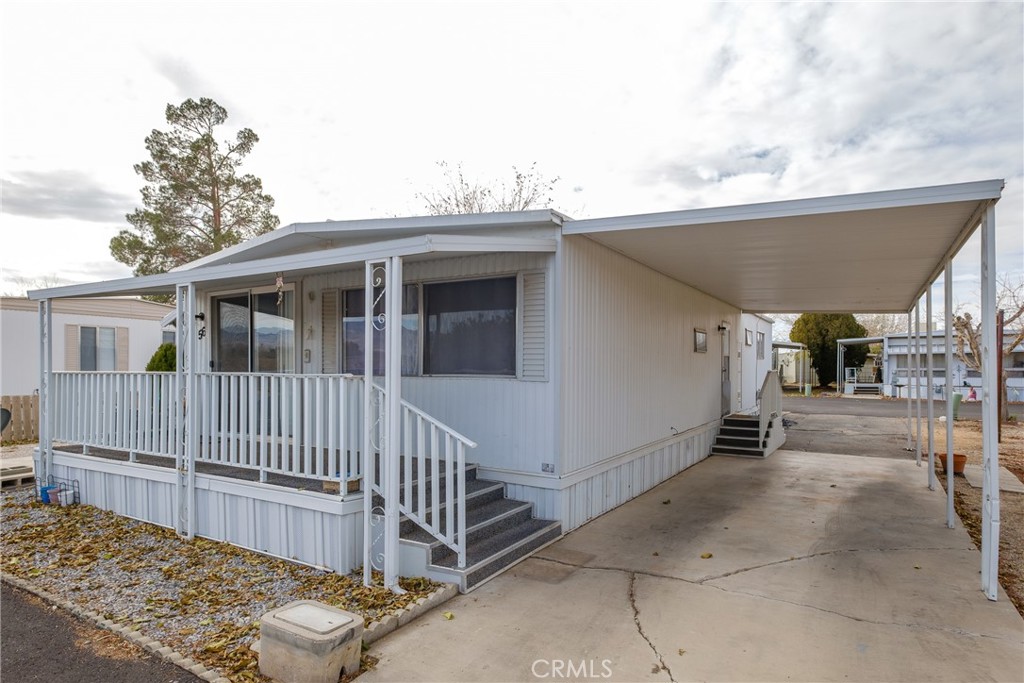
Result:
[{"x": 24, "y": 424}]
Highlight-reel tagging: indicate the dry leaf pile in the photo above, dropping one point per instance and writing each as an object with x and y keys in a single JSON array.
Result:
[{"x": 202, "y": 598}]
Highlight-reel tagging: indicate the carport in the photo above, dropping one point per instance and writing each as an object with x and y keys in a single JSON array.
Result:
[{"x": 819, "y": 255}]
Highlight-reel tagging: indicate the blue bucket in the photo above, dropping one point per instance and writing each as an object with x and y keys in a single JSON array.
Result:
[{"x": 44, "y": 493}]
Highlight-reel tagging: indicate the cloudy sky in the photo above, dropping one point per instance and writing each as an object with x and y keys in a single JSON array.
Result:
[{"x": 635, "y": 107}]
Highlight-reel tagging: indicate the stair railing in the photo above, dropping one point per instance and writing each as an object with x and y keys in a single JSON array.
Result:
[
  {"x": 432, "y": 450},
  {"x": 770, "y": 403}
]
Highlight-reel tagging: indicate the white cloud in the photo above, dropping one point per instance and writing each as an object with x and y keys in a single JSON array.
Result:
[{"x": 638, "y": 107}]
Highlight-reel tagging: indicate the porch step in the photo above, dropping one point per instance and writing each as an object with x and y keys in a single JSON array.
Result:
[
  {"x": 499, "y": 532},
  {"x": 739, "y": 435},
  {"x": 489, "y": 556},
  {"x": 866, "y": 391}
]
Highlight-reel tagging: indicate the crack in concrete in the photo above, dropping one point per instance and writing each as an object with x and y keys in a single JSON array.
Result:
[
  {"x": 706, "y": 583},
  {"x": 640, "y": 629},
  {"x": 837, "y": 551},
  {"x": 922, "y": 627}
]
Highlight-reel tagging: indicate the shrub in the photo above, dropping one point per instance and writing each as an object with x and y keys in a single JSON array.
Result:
[{"x": 164, "y": 360}]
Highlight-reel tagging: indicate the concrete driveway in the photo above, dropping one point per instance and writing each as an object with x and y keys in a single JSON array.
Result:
[{"x": 821, "y": 568}]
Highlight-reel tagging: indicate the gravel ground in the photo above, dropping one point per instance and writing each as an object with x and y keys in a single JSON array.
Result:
[
  {"x": 201, "y": 597},
  {"x": 967, "y": 439}
]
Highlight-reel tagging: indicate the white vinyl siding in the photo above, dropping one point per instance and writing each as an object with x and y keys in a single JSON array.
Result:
[
  {"x": 533, "y": 351},
  {"x": 511, "y": 420},
  {"x": 628, "y": 371}
]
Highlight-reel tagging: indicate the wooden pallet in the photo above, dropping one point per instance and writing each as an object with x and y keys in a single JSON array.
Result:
[{"x": 16, "y": 477}]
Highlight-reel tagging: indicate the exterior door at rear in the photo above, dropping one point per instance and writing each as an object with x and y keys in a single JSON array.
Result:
[{"x": 726, "y": 381}]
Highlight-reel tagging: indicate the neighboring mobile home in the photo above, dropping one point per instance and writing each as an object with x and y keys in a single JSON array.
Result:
[
  {"x": 896, "y": 375},
  {"x": 530, "y": 373},
  {"x": 112, "y": 333}
]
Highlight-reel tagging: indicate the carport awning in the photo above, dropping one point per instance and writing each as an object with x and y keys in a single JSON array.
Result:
[{"x": 872, "y": 252}]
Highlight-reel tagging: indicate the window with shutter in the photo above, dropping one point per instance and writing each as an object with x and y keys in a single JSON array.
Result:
[
  {"x": 329, "y": 332},
  {"x": 533, "y": 361}
]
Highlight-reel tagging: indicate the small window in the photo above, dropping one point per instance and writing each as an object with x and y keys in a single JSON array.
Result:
[
  {"x": 700, "y": 340},
  {"x": 353, "y": 331},
  {"x": 97, "y": 349},
  {"x": 760, "y": 345},
  {"x": 470, "y": 327},
  {"x": 750, "y": 338}
]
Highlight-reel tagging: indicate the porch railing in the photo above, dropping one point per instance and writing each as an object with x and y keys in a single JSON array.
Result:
[
  {"x": 432, "y": 448},
  {"x": 296, "y": 425},
  {"x": 128, "y": 411},
  {"x": 770, "y": 402}
]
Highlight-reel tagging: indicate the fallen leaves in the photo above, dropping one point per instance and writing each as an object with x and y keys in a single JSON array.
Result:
[
  {"x": 447, "y": 615},
  {"x": 174, "y": 589},
  {"x": 706, "y": 556}
]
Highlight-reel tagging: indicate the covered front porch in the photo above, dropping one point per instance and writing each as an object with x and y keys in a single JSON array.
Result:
[{"x": 318, "y": 467}]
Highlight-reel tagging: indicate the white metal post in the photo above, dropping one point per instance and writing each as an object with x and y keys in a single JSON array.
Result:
[
  {"x": 989, "y": 409},
  {"x": 191, "y": 414},
  {"x": 917, "y": 375},
  {"x": 910, "y": 420},
  {"x": 370, "y": 471},
  {"x": 393, "y": 382},
  {"x": 931, "y": 387},
  {"x": 948, "y": 325},
  {"x": 183, "y": 431},
  {"x": 45, "y": 468}
]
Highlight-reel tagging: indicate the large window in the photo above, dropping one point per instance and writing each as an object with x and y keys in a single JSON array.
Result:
[
  {"x": 470, "y": 327},
  {"x": 353, "y": 331},
  {"x": 255, "y": 332},
  {"x": 97, "y": 348}
]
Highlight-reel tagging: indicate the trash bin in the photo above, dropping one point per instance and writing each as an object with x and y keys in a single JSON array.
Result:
[
  {"x": 956, "y": 404},
  {"x": 807, "y": 390}
]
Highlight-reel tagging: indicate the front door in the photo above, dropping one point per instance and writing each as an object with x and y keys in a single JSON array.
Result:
[{"x": 726, "y": 382}]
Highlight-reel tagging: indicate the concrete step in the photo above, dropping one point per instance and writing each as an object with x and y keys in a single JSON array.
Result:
[
  {"x": 481, "y": 520},
  {"x": 490, "y": 556},
  {"x": 737, "y": 450},
  {"x": 746, "y": 442}
]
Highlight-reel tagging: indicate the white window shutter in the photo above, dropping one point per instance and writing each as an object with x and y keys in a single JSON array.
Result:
[
  {"x": 329, "y": 331},
  {"x": 72, "y": 352},
  {"x": 534, "y": 357},
  {"x": 121, "y": 349}
]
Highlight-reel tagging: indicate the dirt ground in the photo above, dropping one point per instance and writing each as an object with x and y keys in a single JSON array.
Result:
[{"x": 967, "y": 439}]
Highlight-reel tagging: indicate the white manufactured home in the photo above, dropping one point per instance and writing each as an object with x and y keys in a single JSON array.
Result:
[
  {"x": 900, "y": 369},
  {"x": 529, "y": 372},
  {"x": 114, "y": 333}
]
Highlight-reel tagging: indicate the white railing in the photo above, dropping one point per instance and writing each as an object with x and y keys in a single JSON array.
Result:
[
  {"x": 127, "y": 411},
  {"x": 428, "y": 443},
  {"x": 296, "y": 425},
  {"x": 432, "y": 454},
  {"x": 770, "y": 402}
]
